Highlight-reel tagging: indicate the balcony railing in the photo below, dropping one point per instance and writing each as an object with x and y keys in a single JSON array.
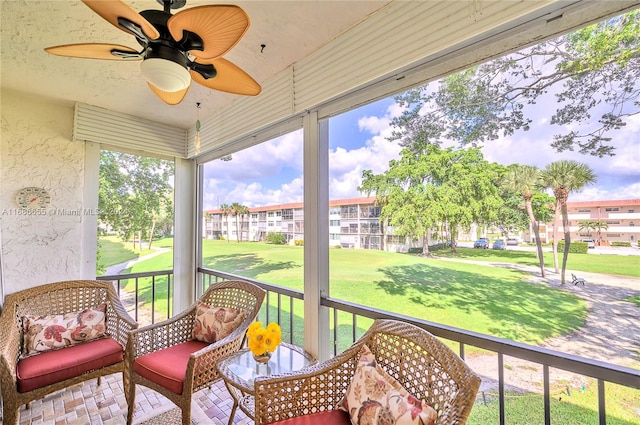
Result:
[
  {"x": 348, "y": 321},
  {"x": 145, "y": 294}
]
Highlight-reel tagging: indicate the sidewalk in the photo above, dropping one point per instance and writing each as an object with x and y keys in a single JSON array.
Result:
[{"x": 118, "y": 268}]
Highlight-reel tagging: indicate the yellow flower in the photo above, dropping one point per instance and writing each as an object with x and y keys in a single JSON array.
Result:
[
  {"x": 261, "y": 340},
  {"x": 252, "y": 328}
]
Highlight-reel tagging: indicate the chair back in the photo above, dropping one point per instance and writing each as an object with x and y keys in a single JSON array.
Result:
[
  {"x": 236, "y": 294},
  {"x": 425, "y": 366}
]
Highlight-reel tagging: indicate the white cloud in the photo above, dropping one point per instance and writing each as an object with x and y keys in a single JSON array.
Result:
[
  {"x": 346, "y": 166},
  {"x": 260, "y": 161},
  {"x": 241, "y": 179},
  {"x": 591, "y": 193}
]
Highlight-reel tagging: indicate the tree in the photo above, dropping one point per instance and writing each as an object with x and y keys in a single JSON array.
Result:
[
  {"x": 597, "y": 66},
  {"x": 511, "y": 217},
  {"x": 238, "y": 210},
  {"x": 403, "y": 204},
  {"x": 134, "y": 194},
  {"x": 226, "y": 211},
  {"x": 599, "y": 226},
  {"x": 524, "y": 180},
  {"x": 586, "y": 225},
  {"x": 420, "y": 191},
  {"x": 564, "y": 177},
  {"x": 208, "y": 218}
]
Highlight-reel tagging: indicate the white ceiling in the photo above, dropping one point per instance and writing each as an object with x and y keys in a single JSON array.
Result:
[{"x": 290, "y": 30}]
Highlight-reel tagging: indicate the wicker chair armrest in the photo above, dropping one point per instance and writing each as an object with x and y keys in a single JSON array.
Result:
[
  {"x": 158, "y": 336},
  {"x": 204, "y": 361},
  {"x": 121, "y": 322},
  {"x": 315, "y": 388},
  {"x": 9, "y": 352}
]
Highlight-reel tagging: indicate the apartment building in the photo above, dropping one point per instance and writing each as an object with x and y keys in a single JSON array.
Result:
[
  {"x": 622, "y": 218},
  {"x": 355, "y": 223}
]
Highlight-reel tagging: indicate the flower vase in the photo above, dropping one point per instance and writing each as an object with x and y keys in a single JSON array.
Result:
[{"x": 262, "y": 358}]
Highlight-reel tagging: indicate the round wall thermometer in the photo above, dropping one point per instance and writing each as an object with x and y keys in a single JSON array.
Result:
[{"x": 33, "y": 198}]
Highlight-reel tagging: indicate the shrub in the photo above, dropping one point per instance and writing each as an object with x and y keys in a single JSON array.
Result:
[
  {"x": 439, "y": 246},
  {"x": 575, "y": 247},
  {"x": 275, "y": 238},
  {"x": 621, "y": 244},
  {"x": 299, "y": 242},
  {"x": 415, "y": 250}
]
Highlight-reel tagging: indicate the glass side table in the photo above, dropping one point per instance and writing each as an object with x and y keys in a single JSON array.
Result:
[{"x": 239, "y": 371}]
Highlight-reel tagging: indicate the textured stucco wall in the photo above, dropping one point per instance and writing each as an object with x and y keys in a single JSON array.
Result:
[{"x": 36, "y": 150}]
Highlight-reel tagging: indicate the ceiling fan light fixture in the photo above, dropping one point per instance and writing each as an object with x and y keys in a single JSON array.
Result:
[{"x": 165, "y": 74}]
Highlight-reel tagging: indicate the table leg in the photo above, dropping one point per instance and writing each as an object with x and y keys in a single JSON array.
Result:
[
  {"x": 233, "y": 411},
  {"x": 235, "y": 403}
]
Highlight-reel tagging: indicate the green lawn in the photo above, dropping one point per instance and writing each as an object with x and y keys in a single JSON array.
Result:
[
  {"x": 624, "y": 265},
  {"x": 573, "y": 407},
  {"x": 113, "y": 251},
  {"x": 490, "y": 300}
]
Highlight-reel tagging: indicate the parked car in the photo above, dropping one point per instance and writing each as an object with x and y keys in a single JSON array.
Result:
[
  {"x": 481, "y": 243},
  {"x": 512, "y": 241},
  {"x": 590, "y": 243},
  {"x": 499, "y": 245}
]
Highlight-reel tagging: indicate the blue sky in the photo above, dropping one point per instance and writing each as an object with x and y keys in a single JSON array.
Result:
[{"x": 271, "y": 173}]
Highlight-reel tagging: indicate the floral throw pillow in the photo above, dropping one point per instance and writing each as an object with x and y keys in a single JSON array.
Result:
[
  {"x": 44, "y": 333},
  {"x": 376, "y": 398},
  {"x": 215, "y": 323}
]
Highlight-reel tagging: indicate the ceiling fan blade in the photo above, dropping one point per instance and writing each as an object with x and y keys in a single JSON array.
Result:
[
  {"x": 229, "y": 78},
  {"x": 114, "y": 9},
  {"x": 95, "y": 51},
  {"x": 219, "y": 26},
  {"x": 170, "y": 98}
]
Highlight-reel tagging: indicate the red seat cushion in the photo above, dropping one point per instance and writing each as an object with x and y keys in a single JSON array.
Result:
[
  {"x": 168, "y": 367},
  {"x": 58, "y": 365},
  {"x": 332, "y": 417}
]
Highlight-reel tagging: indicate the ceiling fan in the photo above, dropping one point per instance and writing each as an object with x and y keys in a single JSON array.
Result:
[{"x": 175, "y": 48}]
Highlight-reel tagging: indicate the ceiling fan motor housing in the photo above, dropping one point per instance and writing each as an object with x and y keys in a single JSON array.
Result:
[{"x": 166, "y": 68}]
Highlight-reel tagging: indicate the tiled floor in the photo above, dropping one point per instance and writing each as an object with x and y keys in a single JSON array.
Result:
[{"x": 89, "y": 403}]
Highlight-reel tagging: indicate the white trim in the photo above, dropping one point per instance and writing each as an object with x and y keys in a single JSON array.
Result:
[
  {"x": 88, "y": 253},
  {"x": 316, "y": 235},
  {"x": 184, "y": 245},
  {"x": 199, "y": 221}
]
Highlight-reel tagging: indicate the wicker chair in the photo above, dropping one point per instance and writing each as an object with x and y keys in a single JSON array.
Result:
[
  {"x": 177, "y": 332},
  {"x": 55, "y": 299},
  {"x": 422, "y": 364}
]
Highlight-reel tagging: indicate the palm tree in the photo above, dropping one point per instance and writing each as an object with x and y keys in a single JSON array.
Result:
[
  {"x": 238, "y": 210},
  {"x": 564, "y": 177},
  {"x": 587, "y": 225},
  {"x": 208, "y": 218},
  {"x": 242, "y": 211},
  {"x": 599, "y": 226},
  {"x": 226, "y": 211},
  {"x": 524, "y": 179}
]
